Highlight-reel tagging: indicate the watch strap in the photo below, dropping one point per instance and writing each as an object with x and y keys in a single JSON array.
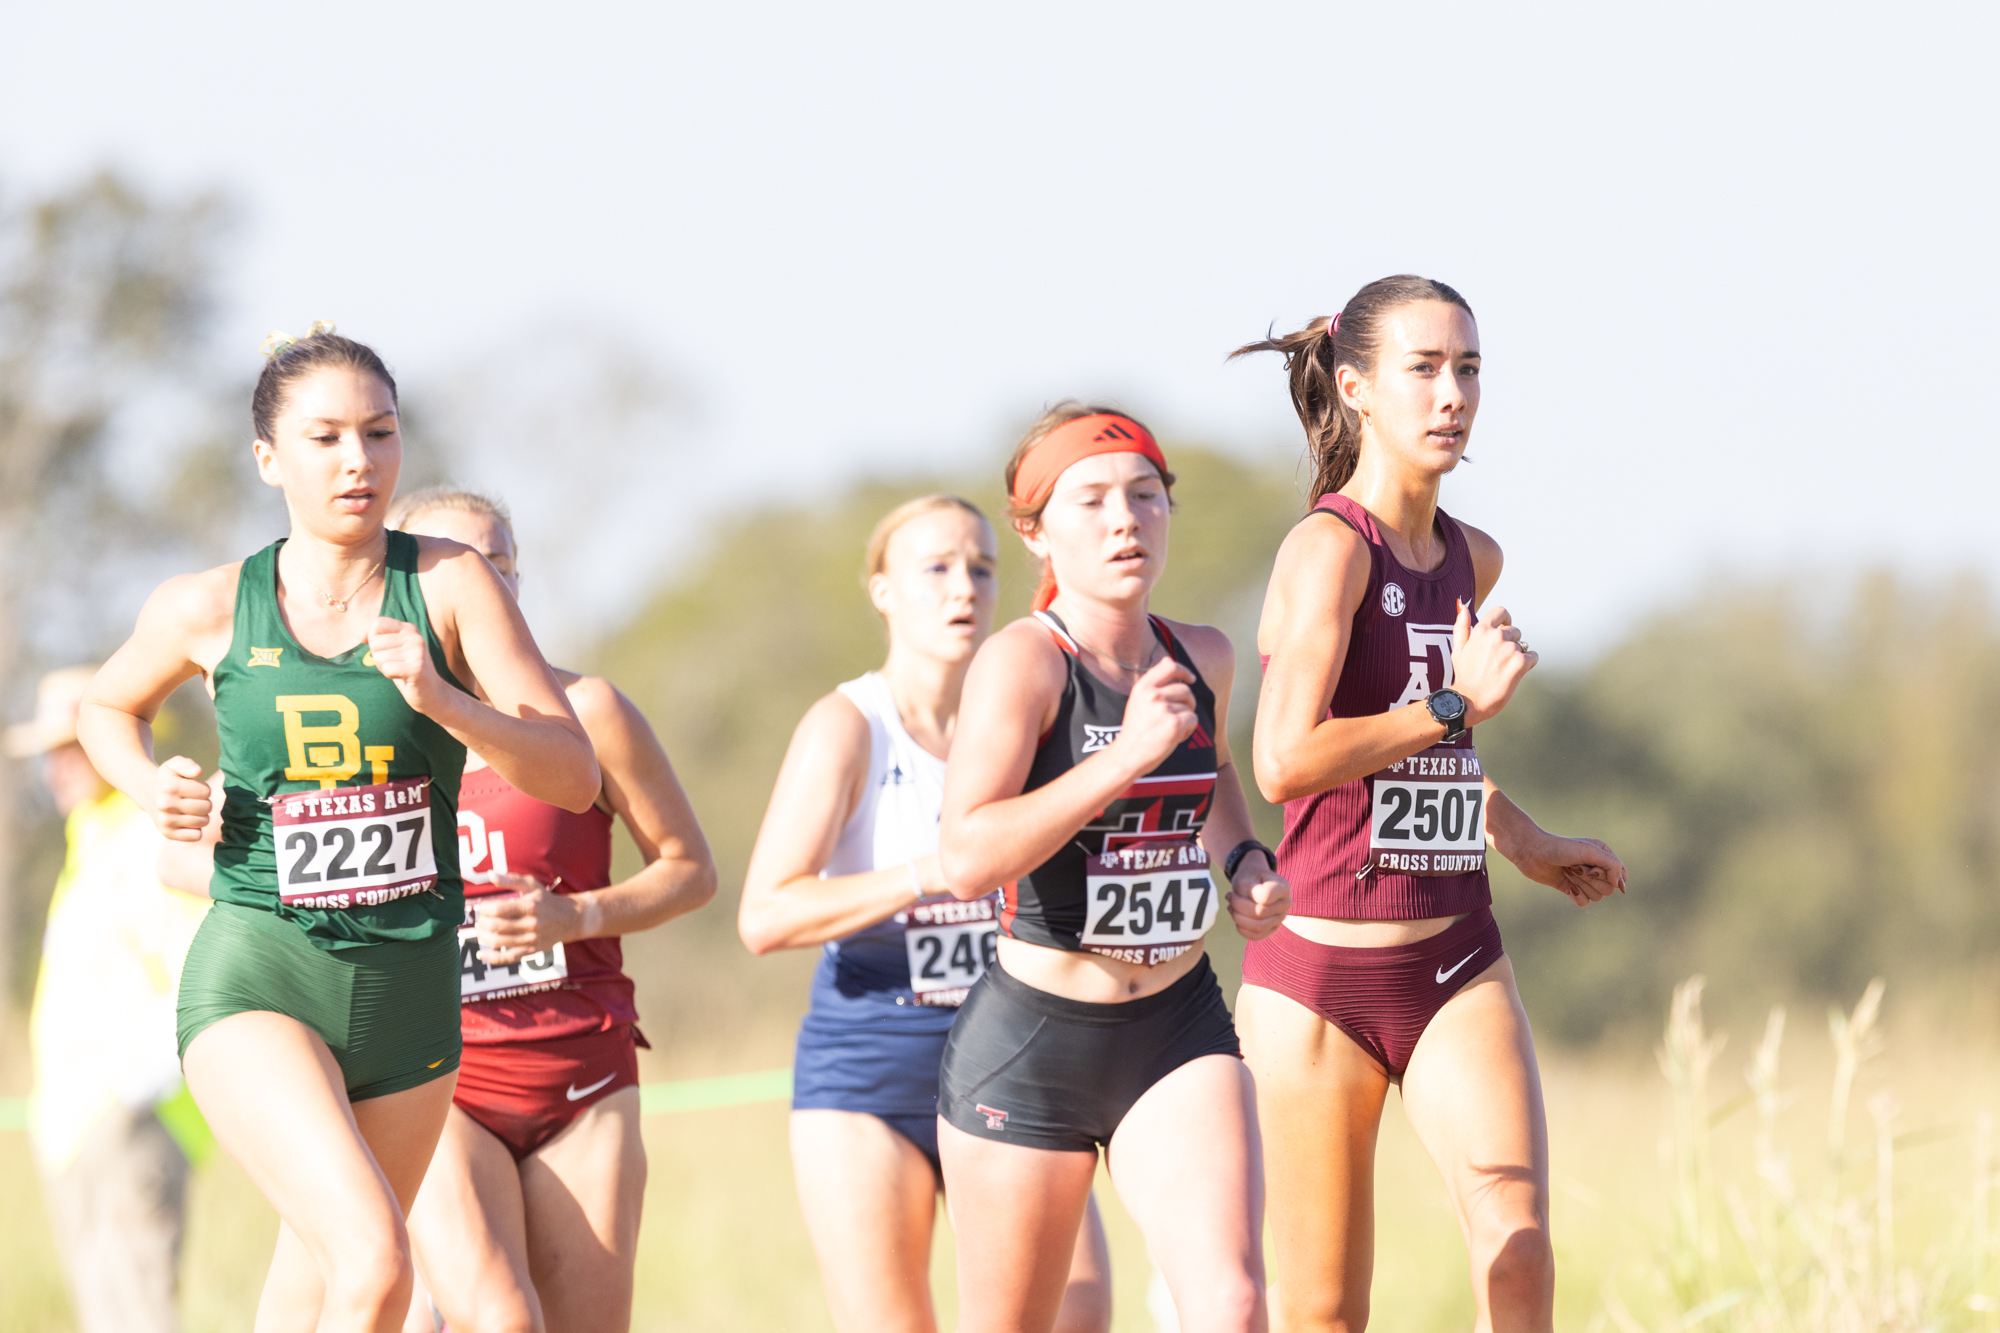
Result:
[{"x": 1241, "y": 850}]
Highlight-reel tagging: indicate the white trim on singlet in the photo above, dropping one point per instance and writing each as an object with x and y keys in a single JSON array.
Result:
[
  {"x": 902, "y": 797},
  {"x": 1054, "y": 627}
]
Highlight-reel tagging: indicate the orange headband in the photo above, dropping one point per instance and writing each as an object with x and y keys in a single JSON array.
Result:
[{"x": 1069, "y": 443}]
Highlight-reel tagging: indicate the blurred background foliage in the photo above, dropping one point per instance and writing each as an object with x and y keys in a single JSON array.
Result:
[{"x": 1799, "y": 775}]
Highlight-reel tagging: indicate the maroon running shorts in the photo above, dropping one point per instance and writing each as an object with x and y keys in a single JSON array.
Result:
[{"x": 1383, "y": 998}]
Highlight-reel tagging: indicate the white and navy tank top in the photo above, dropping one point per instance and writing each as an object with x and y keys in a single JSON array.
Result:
[{"x": 930, "y": 954}]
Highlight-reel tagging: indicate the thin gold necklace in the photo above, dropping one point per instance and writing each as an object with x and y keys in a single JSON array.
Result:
[
  {"x": 1139, "y": 670},
  {"x": 340, "y": 603}
]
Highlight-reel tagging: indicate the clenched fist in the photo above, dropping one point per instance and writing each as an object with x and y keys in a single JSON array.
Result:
[
  {"x": 181, "y": 800},
  {"x": 1488, "y": 661},
  {"x": 400, "y": 653},
  {"x": 1159, "y": 715}
]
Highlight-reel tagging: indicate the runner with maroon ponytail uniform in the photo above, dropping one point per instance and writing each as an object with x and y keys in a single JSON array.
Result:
[
  {"x": 1390, "y": 968},
  {"x": 1091, "y": 779},
  {"x": 529, "y": 1214}
]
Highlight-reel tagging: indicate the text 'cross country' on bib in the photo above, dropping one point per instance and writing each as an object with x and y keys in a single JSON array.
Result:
[
  {"x": 950, "y": 944},
  {"x": 348, "y": 847},
  {"x": 1148, "y": 901},
  {"x": 1427, "y": 814}
]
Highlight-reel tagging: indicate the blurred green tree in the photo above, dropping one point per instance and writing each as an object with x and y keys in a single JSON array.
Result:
[{"x": 106, "y": 295}]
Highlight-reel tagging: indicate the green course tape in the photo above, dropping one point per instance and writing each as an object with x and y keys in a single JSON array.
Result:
[
  {"x": 693, "y": 1094},
  {"x": 706, "y": 1094}
]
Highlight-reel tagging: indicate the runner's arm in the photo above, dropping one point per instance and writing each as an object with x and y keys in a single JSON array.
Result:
[
  {"x": 1316, "y": 587},
  {"x": 528, "y": 732},
  {"x": 992, "y": 831},
  {"x": 786, "y": 905},
  {"x": 641, "y": 789},
  {"x": 182, "y": 631},
  {"x": 189, "y": 866},
  {"x": 1258, "y": 896}
]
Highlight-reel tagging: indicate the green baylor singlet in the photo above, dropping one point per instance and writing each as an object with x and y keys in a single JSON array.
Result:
[{"x": 340, "y": 808}]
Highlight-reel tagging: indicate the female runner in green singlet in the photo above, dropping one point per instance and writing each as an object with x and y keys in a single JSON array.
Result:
[{"x": 319, "y": 1004}]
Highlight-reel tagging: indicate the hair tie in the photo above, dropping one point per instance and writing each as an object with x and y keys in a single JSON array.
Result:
[
  {"x": 1333, "y": 325},
  {"x": 276, "y": 341}
]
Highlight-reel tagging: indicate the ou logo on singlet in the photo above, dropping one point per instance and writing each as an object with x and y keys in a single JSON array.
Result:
[{"x": 476, "y": 844}]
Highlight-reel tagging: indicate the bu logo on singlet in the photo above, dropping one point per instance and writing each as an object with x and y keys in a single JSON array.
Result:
[
  {"x": 330, "y": 753},
  {"x": 1428, "y": 643}
]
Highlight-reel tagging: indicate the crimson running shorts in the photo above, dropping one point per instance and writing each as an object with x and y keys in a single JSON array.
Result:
[{"x": 525, "y": 1093}]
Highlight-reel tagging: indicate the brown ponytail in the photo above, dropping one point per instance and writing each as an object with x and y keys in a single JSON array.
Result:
[{"x": 1314, "y": 354}]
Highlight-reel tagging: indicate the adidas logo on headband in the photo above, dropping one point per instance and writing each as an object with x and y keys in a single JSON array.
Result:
[{"x": 1114, "y": 431}]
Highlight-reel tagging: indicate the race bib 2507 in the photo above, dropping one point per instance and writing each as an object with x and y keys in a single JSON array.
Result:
[
  {"x": 354, "y": 846},
  {"x": 1427, "y": 814},
  {"x": 1149, "y": 901},
  {"x": 950, "y": 944}
]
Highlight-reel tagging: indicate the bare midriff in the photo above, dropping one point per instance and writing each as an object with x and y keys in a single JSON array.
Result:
[
  {"x": 1091, "y": 977},
  {"x": 1351, "y": 934}
]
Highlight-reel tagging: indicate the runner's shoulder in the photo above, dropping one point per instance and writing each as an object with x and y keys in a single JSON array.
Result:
[
  {"x": 451, "y": 560},
  {"x": 1487, "y": 557},
  {"x": 196, "y": 604},
  {"x": 1026, "y": 645},
  {"x": 834, "y": 720},
  {"x": 598, "y": 703},
  {"x": 1211, "y": 649}
]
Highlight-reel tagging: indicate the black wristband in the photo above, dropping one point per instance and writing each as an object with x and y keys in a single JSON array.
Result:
[{"x": 1241, "y": 850}]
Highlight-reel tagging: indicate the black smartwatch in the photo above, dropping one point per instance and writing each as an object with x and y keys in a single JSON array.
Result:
[
  {"x": 1448, "y": 708},
  {"x": 1241, "y": 850}
]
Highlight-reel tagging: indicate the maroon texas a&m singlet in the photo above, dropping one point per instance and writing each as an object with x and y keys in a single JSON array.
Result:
[
  {"x": 572, "y": 988},
  {"x": 1407, "y": 842}
]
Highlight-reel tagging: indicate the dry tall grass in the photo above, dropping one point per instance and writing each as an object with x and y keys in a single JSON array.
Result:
[
  {"x": 1723, "y": 1205},
  {"x": 1808, "y": 1241}
]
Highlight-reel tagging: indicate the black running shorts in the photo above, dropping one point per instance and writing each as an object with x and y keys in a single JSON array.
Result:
[{"x": 1024, "y": 1066}]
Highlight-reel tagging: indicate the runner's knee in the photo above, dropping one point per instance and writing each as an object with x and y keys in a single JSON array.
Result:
[
  {"x": 1230, "y": 1303},
  {"x": 1522, "y": 1262},
  {"x": 370, "y": 1271},
  {"x": 1330, "y": 1310}
]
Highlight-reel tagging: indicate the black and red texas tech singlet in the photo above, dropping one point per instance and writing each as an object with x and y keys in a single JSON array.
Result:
[{"x": 1134, "y": 883}]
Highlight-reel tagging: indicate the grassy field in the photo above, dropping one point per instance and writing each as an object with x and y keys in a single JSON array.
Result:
[{"x": 1640, "y": 1242}]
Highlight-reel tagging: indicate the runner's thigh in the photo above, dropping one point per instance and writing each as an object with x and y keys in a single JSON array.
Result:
[
  {"x": 1474, "y": 1097},
  {"x": 274, "y": 1097},
  {"x": 1319, "y": 1102},
  {"x": 468, "y": 1230},
  {"x": 870, "y": 1203},
  {"x": 1016, "y": 1211},
  {"x": 583, "y": 1190},
  {"x": 1189, "y": 1168}
]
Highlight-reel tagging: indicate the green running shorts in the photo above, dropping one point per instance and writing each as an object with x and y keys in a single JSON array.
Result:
[{"x": 388, "y": 1012}]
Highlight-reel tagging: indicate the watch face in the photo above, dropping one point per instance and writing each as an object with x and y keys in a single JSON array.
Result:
[{"x": 1449, "y": 705}]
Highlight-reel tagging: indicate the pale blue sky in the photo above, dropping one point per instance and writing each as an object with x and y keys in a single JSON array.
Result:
[{"x": 1733, "y": 263}]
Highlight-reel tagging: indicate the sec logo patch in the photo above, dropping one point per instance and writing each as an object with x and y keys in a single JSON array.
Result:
[{"x": 1392, "y": 598}]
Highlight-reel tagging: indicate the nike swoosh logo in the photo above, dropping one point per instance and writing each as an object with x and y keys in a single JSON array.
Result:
[
  {"x": 1444, "y": 975},
  {"x": 576, "y": 1094}
]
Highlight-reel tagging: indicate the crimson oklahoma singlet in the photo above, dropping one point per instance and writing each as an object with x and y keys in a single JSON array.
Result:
[
  {"x": 1407, "y": 842},
  {"x": 575, "y": 987},
  {"x": 1134, "y": 883}
]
